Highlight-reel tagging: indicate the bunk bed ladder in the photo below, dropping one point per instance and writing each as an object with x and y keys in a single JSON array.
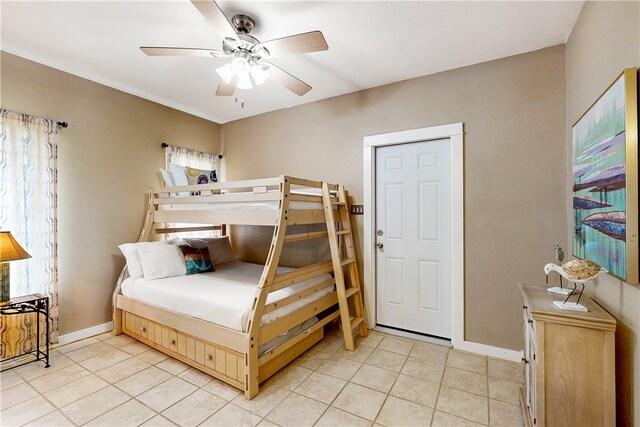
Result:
[{"x": 343, "y": 255}]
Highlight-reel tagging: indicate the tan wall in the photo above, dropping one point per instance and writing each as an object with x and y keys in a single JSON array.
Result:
[
  {"x": 514, "y": 115},
  {"x": 604, "y": 41},
  {"x": 108, "y": 158}
]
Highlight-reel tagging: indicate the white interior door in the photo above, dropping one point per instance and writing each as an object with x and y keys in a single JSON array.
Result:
[{"x": 413, "y": 236}]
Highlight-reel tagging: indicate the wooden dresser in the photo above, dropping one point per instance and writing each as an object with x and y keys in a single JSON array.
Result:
[{"x": 569, "y": 362}]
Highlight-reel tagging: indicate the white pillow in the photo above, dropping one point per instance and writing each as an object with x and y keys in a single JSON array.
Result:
[
  {"x": 179, "y": 174},
  {"x": 159, "y": 261},
  {"x": 132, "y": 255},
  {"x": 168, "y": 178}
]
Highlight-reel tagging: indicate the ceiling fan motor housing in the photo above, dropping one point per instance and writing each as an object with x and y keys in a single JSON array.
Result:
[{"x": 244, "y": 24}]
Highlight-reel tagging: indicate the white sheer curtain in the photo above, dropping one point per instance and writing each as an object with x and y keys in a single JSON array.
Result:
[
  {"x": 191, "y": 158},
  {"x": 197, "y": 160},
  {"x": 28, "y": 204}
]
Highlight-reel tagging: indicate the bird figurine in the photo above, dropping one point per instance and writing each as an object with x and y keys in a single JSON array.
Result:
[
  {"x": 576, "y": 271},
  {"x": 559, "y": 254}
]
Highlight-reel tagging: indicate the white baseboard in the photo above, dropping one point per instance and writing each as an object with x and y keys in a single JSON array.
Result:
[
  {"x": 84, "y": 333},
  {"x": 489, "y": 350}
]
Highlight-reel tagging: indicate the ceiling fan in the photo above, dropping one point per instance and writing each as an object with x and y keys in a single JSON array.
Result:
[{"x": 248, "y": 64}]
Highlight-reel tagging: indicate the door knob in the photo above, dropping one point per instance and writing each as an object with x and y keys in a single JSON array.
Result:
[{"x": 379, "y": 245}]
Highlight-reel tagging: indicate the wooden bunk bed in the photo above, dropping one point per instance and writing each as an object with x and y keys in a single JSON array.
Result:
[{"x": 227, "y": 354}]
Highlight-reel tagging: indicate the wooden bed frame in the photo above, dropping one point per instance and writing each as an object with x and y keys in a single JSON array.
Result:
[{"x": 227, "y": 354}]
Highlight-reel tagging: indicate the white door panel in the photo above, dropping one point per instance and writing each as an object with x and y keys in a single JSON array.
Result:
[{"x": 413, "y": 213}]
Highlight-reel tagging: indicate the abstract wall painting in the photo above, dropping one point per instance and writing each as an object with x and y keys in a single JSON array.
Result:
[{"x": 605, "y": 180}]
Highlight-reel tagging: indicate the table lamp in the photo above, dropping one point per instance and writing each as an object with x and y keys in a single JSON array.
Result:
[{"x": 10, "y": 250}]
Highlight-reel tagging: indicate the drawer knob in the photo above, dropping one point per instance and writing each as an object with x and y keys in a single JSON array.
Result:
[
  {"x": 173, "y": 342},
  {"x": 210, "y": 357},
  {"x": 144, "y": 329}
]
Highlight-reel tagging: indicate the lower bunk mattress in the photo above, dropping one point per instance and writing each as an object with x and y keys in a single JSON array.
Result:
[{"x": 223, "y": 296}]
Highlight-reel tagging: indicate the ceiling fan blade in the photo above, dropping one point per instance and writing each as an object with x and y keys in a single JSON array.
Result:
[
  {"x": 292, "y": 83},
  {"x": 181, "y": 51},
  {"x": 300, "y": 43},
  {"x": 227, "y": 89},
  {"x": 212, "y": 12}
]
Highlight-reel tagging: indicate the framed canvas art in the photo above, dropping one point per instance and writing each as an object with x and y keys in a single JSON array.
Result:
[{"x": 605, "y": 180}]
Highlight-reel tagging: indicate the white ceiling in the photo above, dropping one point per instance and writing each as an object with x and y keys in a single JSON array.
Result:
[{"x": 371, "y": 43}]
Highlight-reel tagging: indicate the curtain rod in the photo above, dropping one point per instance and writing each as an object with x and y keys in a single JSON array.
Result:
[{"x": 165, "y": 145}]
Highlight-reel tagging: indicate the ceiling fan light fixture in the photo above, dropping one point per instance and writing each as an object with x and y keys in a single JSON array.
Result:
[
  {"x": 259, "y": 74},
  {"x": 240, "y": 65},
  {"x": 244, "y": 82},
  {"x": 226, "y": 72}
]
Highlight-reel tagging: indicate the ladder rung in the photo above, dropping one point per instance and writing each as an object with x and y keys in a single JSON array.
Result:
[
  {"x": 356, "y": 322},
  {"x": 339, "y": 203},
  {"x": 347, "y": 261},
  {"x": 305, "y": 236},
  {"x": 351, "y": 292},
  {"x": 341, "y": 232}
]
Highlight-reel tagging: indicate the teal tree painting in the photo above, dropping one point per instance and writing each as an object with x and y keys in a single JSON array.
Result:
[{"x": 600, "y": 182}]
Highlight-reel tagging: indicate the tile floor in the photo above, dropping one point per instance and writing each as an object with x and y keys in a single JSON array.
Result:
[{"x": 389, "y": 381}]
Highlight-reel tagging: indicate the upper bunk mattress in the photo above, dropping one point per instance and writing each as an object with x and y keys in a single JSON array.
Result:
[{"x": 223, "y": 296}]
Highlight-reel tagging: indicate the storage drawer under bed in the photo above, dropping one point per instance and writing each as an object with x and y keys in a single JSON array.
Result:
[{"x": 211, "y": 358}]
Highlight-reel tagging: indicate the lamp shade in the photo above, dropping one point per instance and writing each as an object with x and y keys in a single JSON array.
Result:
[{"x": 10, "y": 250}]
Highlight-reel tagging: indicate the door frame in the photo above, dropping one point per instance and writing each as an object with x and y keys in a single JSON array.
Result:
[{"x": 455, "y": 133}]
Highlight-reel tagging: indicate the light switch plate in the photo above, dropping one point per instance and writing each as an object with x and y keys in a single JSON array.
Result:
[{"x": 357, "y": 209}]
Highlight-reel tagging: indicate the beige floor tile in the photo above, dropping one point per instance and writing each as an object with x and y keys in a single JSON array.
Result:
[
  {"x": 158, "y": 421},
  {"x": 330, "y": 344},
  {"x": 312, "y": 359},
  {"x": 296, "y": 410},
  {"x": 337, "y": 417},
  {"x": 506, "y": 370},
  {"x": 371, "y": 340},
  {"x": 340, "y": 368},
  {"x": 465, "y": 380},
  {"x": 441, "y": 419},
  {"x": 425, "y": 370},
  {"x": 360, "y": 354},
  {"x": 505, "y": 391},
  {"x": 321, "y": 387},
  {"x": 76, "y": 345},
  {"x": 196, "y": 377},
  {"x": 463, "y": 404},
  {"x": 194, "y": 409},
  {"x": 467, "y": 361},
  {"x": 221, "y": 389},
  {"x": 152, "y": 356},
  {"x": 130, "y": 413},
  {"x": 375, "y": 378},
  {"x": 58, "y": 378},
  {"x": 84, "y": 410},
  {"x": 232, "y": 415},
  {"x": 399, "y": 412},
  {"x": 122, "y": 370},
  {"x": 105, "y": 359},
  {"x": 135, "y": 348},
  {"x": 430, "y": 352},
  {"x": 74, "y": 390},
  {"x": 143, "y": 380},
  {"x": 290, "y": 377},
  {"x": 416, "y": 390},
  {"x": 88, "y": 351},
  {"x": 386, "y": 359},
  {"x": 31, "y": 371},
  {"x": 26, "y": 411},
  {"x": 396, "y": 345},
  {"x": 105, "y": 336},
  {"x": 17, "y": 394},
  {"x": 268, "y": 398},
  {"x": 359, "y": 400},
  {"x": 504, "y": 414},
  {"x": 166, "y": 394},
  {"x": 173, "y": 366},
  {"x": 52, "y": 419},
  {"x": 267, "y": 423},
  {"x": 120, "y": 340},
  {"x": 9, "y": 379}
]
